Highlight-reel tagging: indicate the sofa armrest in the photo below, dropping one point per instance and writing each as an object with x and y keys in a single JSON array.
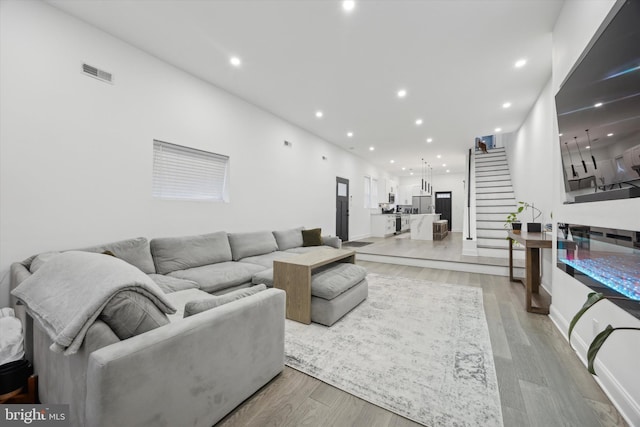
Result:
[
  {"x": 334, "y": 241},
  {"x": 191, "y": 372}
]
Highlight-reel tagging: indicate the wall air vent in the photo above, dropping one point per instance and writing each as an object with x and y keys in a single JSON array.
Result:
[{"x": 97, "y": 73}]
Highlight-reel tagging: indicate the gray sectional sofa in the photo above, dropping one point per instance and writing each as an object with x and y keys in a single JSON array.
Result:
[{"x": 193, "y": 370}]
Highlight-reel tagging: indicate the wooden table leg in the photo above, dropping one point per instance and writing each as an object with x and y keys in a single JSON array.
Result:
[
  {"x": 511, "y": 261},
  {"x": 295, "y": 280},
  {"x": 535, "y": 270}
]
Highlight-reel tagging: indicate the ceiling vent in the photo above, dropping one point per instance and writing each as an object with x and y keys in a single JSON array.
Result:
[{"x": 97, "y": 73}]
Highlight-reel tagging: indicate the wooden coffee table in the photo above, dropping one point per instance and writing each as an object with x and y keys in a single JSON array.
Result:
[{"x": 293, "y": 275}]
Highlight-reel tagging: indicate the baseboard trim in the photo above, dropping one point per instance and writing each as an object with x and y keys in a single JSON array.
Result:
[
  {"x": 440, "y": 265},
  {"x": 628, "y": 408}
]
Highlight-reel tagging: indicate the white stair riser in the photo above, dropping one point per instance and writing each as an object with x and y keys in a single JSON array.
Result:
[
  {"x": 498, "y": 232},
  {"x": 502, "y": 242},
  {"x": 494, "y": 225},
  {"x": 507, "y": 202},
  {"x": 488, "y": 164},
  {"x": 500, "y": 253},
  {"x": 491, "y": 216},
  {"x": 504, "y": 209},
  {"x": 493, "y": 183},
  {"x": 480, "y": 173},
  {"x": 493, "y": 178},
  {"x": 500, "y": 196},
  {"x": 487, "y": 190}
]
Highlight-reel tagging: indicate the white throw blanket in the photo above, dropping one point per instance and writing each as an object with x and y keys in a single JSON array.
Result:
[{"x": 69, "y": 292}]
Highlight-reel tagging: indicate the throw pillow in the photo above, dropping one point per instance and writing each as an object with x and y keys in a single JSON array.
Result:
[
  {"x": 195, "y": 307},
  {"x": 312, "y": 237},
  {"x": 130, "y": 313}
]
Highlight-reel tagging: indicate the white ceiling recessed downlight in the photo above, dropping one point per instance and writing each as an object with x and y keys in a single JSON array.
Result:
[
  {"x": 319, "y": 114},
  {"x": 520, "y": 63},
  {"x": 349, "y": 134},
  {"x": 419, "y": 122},
  {"x": 235, "y": 61},
  {"x": 506, "y": 105},
  {"x": 439, "y": 156},
  {"x": 444, "y": 165},
  {"x": 372, "y": 148},
  {"x": 348, "y": 5},
  {"x": 392, "y": 161},
  {"x": 609, "y": 134},
  {"x": 402, "y": 93},
  {"x": 498, "y": 129},
  {"x": 429, "y": 140}
]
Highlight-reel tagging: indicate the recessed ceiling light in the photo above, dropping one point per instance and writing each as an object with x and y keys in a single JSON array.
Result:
[
  {"x": 498, "y": 129},
  {"x": 392, "y": 161},
  {"x": 348, "y": 5},
  {"x": 235, "y": 61},
  {"x": 599, "y": 104},
  {"x": 506, "y": 105},
  {"x": 559, "y": 134},
  {"x": 404, "y": 168},
  {"x": 439, "y": 156},
  {"x": 429, "y": 140},
  {"x": 372, "y": 148},
  {"x": 521, "y": 63},
  {"x": 402, "y": 93},
  {"x": 444, "y": 165},
  {"x": 447, "y": 170},
  {"x": 349, "y": 134},
  {"x": 609, "y": 134},
  {"x": 319, "y": 114},
  {"x": 410, "y": 173},
  {"x": 419, "y": 122},
  {"x": 588, "y": 146}
]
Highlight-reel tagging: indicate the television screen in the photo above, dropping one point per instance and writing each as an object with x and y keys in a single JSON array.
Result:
[{"x": 598, "y": 109}]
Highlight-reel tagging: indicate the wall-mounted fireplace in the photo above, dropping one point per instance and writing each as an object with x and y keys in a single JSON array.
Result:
[{"x": 606, "y": 260}]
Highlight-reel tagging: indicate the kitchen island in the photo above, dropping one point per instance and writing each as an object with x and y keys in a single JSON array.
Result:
[
  {"x": 384, "y": 225},
  {"x": 422, "y": 226}
]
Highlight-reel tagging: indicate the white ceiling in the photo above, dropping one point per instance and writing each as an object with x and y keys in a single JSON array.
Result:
[{"x": 455, "y": 58}]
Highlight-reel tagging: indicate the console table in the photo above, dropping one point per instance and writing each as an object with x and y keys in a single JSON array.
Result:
[
  {"x": 532, "y": 243},
  {"x": 293, "y": 275}
]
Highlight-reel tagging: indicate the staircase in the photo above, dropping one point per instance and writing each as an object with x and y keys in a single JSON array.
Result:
[{"x": 494, "y": 201}]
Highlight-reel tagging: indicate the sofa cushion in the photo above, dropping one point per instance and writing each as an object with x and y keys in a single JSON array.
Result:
[
  {"x": 180, "y": 298},
  {"x": 170, "y": 284},
  {"x": 263, "y": 277},
  {"x": 200, "y": 305},
  {"x": 134, "y": 251},
  {"x": 130, "y": 313},
  {"x": 249, "y": 244},
  {"x": 266, "y": 260},
  {"x": 214, "y": 277},
  {"x": 288, "y": 239},
  {"x": 179, "y": 253},
  {"x": 312, "y": 237},
  {"x": 334, "y": 280}
]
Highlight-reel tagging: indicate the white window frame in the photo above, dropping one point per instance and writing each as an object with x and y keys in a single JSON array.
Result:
[
  {"x": 370, "y": 192},
  {"x": 185, "y": 173}
]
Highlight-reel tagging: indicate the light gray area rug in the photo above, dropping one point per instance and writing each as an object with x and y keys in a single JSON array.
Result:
[{"x": 417, "y": 348}]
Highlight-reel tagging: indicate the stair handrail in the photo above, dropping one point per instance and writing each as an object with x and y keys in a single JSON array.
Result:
[{"x": 469, "y": 197}]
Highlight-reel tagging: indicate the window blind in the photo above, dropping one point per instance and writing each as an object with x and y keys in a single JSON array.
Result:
[{"x": 187, "y": 173}]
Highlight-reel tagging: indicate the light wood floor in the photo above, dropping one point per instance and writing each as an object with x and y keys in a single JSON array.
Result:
[{"x": 541, "y": 381}]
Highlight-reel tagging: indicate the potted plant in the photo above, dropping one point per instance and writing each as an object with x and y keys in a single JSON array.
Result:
[
  {"x": 599, "y": 339},
  {"x": 533, "y": 226},
  {"x": 513, "y": 222}
]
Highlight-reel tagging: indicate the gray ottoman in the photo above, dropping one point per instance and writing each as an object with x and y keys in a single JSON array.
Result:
[{"x": 336, "y": 290}]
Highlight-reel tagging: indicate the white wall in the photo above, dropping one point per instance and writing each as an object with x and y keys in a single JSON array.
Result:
[
  {"x": 76, "y": 153},
  {"x": 529, "y": 151},
  {"x": 617, "y": 366},
  {"x": 453, "y": 182}
]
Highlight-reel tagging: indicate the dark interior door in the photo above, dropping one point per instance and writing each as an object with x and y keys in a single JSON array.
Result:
[
  {"x": 443, "y": 206},
  {"x": 342, "y": 208}
]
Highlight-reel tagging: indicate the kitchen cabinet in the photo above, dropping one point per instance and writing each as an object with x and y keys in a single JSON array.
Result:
[
  {"x": 383, "y": 225},
  {"x": 406, "y": 223}
]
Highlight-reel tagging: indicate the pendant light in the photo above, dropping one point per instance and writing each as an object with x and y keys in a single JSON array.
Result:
[{"x": 595, "y": 166}]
